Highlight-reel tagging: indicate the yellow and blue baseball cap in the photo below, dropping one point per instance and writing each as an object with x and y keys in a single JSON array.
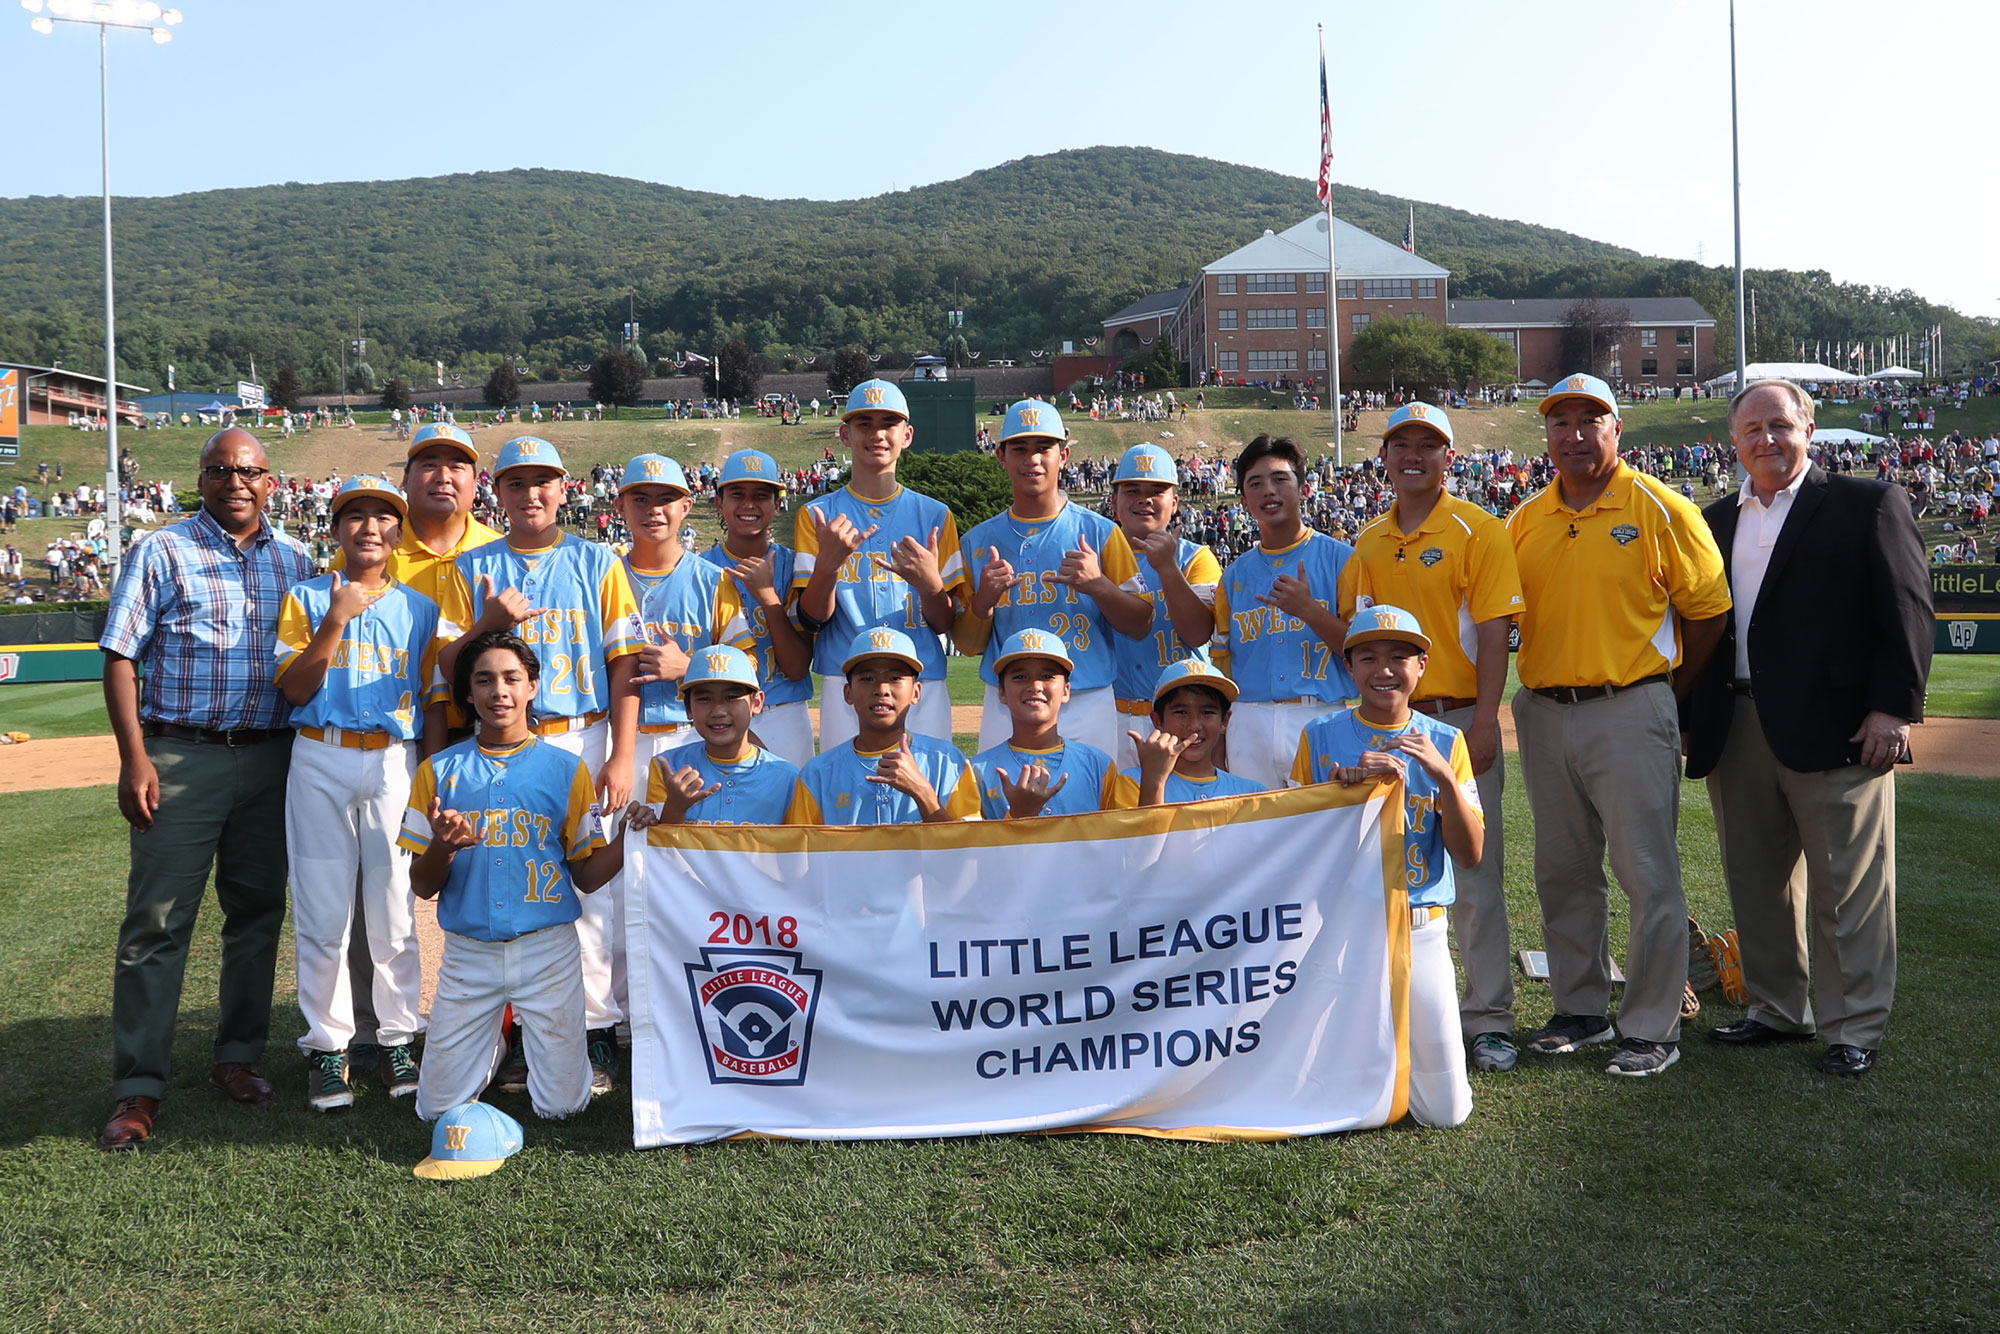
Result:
[
  {"x": 653, "y": 470},
  {"x": 364, "y": 487},
  {"x": 750, "y": 465},
  {"x": 470, "y": 1140},
  {"x": 1383, "y": 621},
  {"x": 1032, "y": 419},
  {"x": 1147, "y": 463},
  {"x": 1423, "y": 414},
  {"x": 1193, "y": 672},
  {"x": 876, "y": 396},
  {"x": 882, "y": 642},
  {"x": 1032, "y": 644},
  {"x": 720, "y": 664},
  {"x": 528, "y": 451},
  {"x": 1580, "y": 386},
  {"x": 442, "y": 433}
]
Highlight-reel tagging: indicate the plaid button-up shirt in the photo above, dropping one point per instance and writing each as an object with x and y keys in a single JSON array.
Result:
[{"x": 200, "y": 616}]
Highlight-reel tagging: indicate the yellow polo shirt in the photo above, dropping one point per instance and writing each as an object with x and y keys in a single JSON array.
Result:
[
  {"x": 1604, "y": 584},
  {"x": 1456, "y": 570},
  {"x": 423, "y": 569}
]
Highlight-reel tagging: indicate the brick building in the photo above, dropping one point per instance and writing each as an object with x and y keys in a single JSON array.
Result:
[{"x": 1670, "y": 342}]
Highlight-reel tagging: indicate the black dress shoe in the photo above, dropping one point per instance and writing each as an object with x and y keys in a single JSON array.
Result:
[
  {"x": 1752, "y": 1033},
  {"x": 1841, "y": 1059}
]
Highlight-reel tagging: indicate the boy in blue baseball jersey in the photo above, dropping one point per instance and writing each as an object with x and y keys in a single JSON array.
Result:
[
  {"x": 1046, "y": 564},
  {"x": 875, "y": 554},
  {"x": 1056, "y": 776},
  {"x": 357, "y": 658},
  {"x": 1276, "y": 632},
  {"x": 748, "y": 495},
  {"x": 886, "y": 774},
  {"x": 1383, "y": 738},
  {"x": 724, "y": 778},
  {"x": 1191, "y": 704},
  {"x": 506, "y": 836},
  {"x": 1176, "y": 577}
]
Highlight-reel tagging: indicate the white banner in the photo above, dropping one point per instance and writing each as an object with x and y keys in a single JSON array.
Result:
[
  {"x": 250, "y": 395},
  {"x": 1231, "y": 969}
]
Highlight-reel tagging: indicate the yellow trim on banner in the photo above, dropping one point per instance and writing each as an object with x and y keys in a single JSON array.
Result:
[{"x": 1396, "y": 895}]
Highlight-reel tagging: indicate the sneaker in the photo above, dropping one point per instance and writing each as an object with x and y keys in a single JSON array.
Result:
[
  {"x": 362, "y": 1058},
  {"x": 1636, "y": 1056},
  {"x": 602, "y": 1045},
  {"x": 326, "y": 1081},
  {"x": 1494, "y": 1053},
  {"x": 1571, "y": 1032},
  {"x": 398, "y": 1068},
  {"x": 514, "y": 1070}
]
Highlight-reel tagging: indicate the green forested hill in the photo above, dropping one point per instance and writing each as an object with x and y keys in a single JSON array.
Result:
[{"x": 540, "y": 263}]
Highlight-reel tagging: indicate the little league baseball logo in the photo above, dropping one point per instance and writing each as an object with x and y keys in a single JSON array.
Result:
[
  {"x": 754, "y": 1009},
  {"x": 1624, "y": 534},
  {"x": 1430, "y": 556}
]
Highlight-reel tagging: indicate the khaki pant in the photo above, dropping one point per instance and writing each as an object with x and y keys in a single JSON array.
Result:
[
  {"x": 1479, "y": 916},
  {"x": 1604, "y": 775},
  {"x": 1819, "y": 845}
]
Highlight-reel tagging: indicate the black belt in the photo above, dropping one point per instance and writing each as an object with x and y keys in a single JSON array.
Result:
[
  {"x": 202, "y": 736},
  {"x": 1584, "y": 694},
  {"x": 1441, "y": 705},
  {"x": 1742, "y": 688}
]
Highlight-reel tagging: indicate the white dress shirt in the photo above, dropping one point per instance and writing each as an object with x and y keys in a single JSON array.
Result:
[{"x": 1757, "y": 529}]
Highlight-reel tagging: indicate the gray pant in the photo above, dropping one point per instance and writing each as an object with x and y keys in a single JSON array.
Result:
[
  {"x": 1605, "y": 775},
  {"x": 221, "y": 807},
  {"x": 1479, "y": 916}
]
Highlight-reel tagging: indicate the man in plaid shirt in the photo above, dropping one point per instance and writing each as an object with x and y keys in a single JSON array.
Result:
[{"x": 203, "y": 749}]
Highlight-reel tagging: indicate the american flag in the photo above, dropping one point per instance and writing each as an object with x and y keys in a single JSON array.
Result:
[
  {"x": 1325, "y": 134},
  {"x": 1410, "y": 232}
]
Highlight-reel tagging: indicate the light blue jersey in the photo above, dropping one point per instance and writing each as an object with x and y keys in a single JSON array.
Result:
[
  {"x": 1269, "y": 654},
  {"x": 1140, "y": 661},
  {"x": 778, "y": 688},
  {"x": 868, "y": 595},
  {"x": 1181, "y": 788},
  {"x": 384, "y": 669},
  {"x": 1036, "y": 548},
  {"x": 758, "y": 790},
  {"x": 1091, "y": 781},
  {"x": 692, "y": 605},
  {"x": 834, "y": 789}
]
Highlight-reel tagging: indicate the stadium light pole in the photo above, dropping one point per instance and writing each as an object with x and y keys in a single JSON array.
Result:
[{"x": 106, "y": 15}]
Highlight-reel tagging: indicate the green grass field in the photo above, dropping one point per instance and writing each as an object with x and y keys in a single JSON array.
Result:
[{"x": 1740, "y": 1190}]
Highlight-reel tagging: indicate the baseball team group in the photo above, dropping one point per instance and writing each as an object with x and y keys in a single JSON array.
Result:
[{"x": 477, "y": 717}]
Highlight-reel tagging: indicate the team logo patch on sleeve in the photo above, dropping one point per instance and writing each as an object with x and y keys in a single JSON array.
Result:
[
  {"x": 1624, "y": 534},
  {"x": 754, "y": 1009},
  {"x": 1430, "y": 555}
]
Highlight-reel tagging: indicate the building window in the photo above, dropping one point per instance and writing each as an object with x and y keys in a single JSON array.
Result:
[
  {"x": 1344, "y": 290},
  {"x": 1274, "y": 360},
  {"x": 1225, "y": 319},
  {"x": 1385, "y": 289},
  {"x": 1649, "y": 338},
  {"x": 1683, "y": 338},
  {"x": 1648, "y": 368},
  {"x": 1315, "y": 282},
  {"x": 1273, "y": 318},
  {"x": 1356, "y": 323},
  {"x": 1316, "y": 359},
  {"x": 1427, "y": 289},
  {"x": 1225, "y": 284},
  {"x": 1684, "y": 366},
  {"x": 1507, "y": 336},
  {"x": 1315, "y": 317},
  {"x": 1267, "y": 283},
  {"x": 1225, "y": 361}
]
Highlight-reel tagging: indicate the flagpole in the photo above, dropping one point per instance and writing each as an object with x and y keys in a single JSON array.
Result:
[
  {"x": 1332, "y": 264},
  {"x": 1736, "y": 195}
]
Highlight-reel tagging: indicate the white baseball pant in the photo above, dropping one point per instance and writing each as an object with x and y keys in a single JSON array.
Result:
[
  {"x": 600, "y": 932},
  {"x": 1440, "y": 1094},
  {"x": 786, "y": 730},
  {"x": 1264, "y": 738},
  {"x": 541, "y": 976}
]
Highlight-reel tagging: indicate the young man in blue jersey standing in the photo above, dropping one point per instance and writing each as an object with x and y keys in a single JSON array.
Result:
[
  {"x": 1176, "y": 576},
  {"x": 748, "y": 495}
]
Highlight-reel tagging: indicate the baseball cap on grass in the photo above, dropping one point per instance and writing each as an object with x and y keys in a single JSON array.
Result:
[
  {"x": 1423, "y": 414},
  {"x": 527, "y": 451},
  {"x": 1194, "y": 672},
  {"x": 750, "y": 465},
  {"x": 1032, "y": 419},
  {"x": 876, "y": 396},
  {"x": 1032, "y": 644},
  {"x": 720, "y": 663},
  {"x": 653, "y": 470},
  {"x": 1580, "y": 386},
  {"x": 1147, "y": 463},
  {"x": 442, "y": 433},
  {"x": 882, "y": 642},
  {"x": 1383, "y": 621},
  {"x": 470, "y": 1140},
  {"x": 364, "y": 487}
]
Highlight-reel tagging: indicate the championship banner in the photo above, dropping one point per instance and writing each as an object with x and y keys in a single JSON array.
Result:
[{"x": 1234, "y": 969}]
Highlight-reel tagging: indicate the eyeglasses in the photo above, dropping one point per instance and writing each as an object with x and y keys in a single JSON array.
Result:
[{"x": 222, "y": 472}]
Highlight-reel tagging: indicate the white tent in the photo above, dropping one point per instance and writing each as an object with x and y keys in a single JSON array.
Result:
[
  {"x": 1841, "y": 436},
  {"x": 1896, "y": 373},
  {"x": 1804, "y": 372}
]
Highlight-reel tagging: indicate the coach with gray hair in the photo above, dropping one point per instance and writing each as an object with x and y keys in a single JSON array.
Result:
[{"x": 1798, "y": 723}]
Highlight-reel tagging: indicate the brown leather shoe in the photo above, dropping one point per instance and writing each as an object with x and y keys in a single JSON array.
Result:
[
  {"x": 240, "y": 1080},
  {"x": 131, "y": 1125}
]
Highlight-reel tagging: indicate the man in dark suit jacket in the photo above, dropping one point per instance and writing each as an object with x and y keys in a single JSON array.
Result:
[{"x": 1798, "y": 723}]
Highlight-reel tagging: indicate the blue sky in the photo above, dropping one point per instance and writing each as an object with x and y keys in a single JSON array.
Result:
[{"x": 1609, "y": 118}]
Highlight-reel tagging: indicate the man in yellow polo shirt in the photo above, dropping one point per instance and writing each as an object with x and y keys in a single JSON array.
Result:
[
  {"x": 1451, "y": 564},
  {"x": 1625, "y": 600}
]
